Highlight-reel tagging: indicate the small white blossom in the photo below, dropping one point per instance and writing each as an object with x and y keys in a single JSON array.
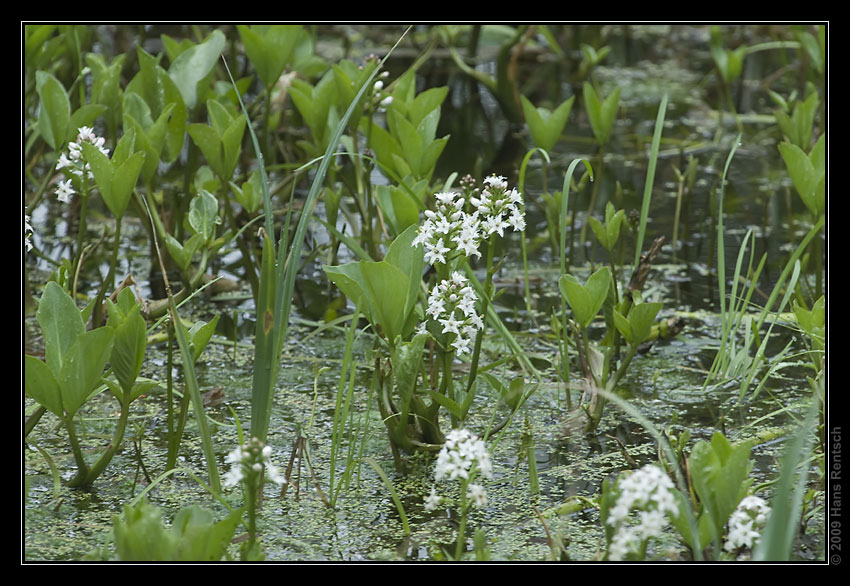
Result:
[
  {"x": 457, "y": 456},
  {"x": 749, "y": 517},
  {"x": 432, "y": 501},
  {"x": 648, "y": 491},
  {"x": 451, "y": 303},
  {"x": 64, "y": 191},
  {"x": 498, "y": 208},
  {"x": 448, "y": 228},
  {"x": 249, "y": 461},
  {"x": 75, "y": 162},
  {"x": 476, "y": 494}
]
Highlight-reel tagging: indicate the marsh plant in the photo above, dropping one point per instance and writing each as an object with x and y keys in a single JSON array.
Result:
[
  {"x": 225, "y": 150},
  {"x": 251, "y": 465},
  {"x": 463, "y": 458}
]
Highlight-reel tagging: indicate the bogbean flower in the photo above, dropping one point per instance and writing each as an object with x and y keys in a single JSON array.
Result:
[
  {"x": 448, "y": 228},
  {"x": 649, "y": 491},
  {"x": 461, "y": 457},
  {"x": 749, "y": 517},
  {"x": 451, "y": 303},
  {"x": 75, "y": 162},
  {"x": 499, "y": 208},
  {"x": 248, "y": 461}
]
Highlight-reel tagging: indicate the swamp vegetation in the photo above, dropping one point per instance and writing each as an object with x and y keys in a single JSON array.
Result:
[{"x": 447, "y": 292}]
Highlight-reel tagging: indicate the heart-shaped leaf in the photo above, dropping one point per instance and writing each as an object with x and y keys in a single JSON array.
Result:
[{"x": 586, "y": 300}]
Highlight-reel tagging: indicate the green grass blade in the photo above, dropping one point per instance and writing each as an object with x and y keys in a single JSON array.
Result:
[
  {"x": 650, "y": 177},
  {"x": 777, "y": 540}
]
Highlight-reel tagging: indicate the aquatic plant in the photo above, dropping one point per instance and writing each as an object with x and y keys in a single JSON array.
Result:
[
  {"x": 294, "y": 160},
  {"x": 463, "y": 457}
]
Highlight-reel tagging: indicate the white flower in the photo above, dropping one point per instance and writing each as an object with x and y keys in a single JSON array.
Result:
[
  {"x": 432, "y": 501},
  {"x": 451, "y": 303},
  {"x": 749, "y": 517},
  {"x": 233, "y": 476},
  {"x": 650, "y": 492},
  {"x": 448, "y": 228},
  {"x": 64, "y": 191},
  {"x": 248, "y": 463},
  {"x": 476, "y": 494},
  {"x": 499, "y": 209},
  {"x": 459, "y": 454}
]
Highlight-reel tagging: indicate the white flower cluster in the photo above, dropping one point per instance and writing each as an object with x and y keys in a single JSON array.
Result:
[
  {"x": 248, "y": 461},
  {"x": 750, "y": 516},
  {"x": 448, "y": 228},
  {"x": 651, "y": 492},
  {"x": 75, "y": 162},
  {"x": 452, "y": 304},
  {"x": 461, "y": 456},
  {"x": 499, "y": 208}
]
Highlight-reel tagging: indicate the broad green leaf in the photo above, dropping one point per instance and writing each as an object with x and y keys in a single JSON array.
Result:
[
  {"x": 124, "y": 181},
  {"x": 128, "y": 348},
  {"x": 60, "y": 323},
  {"x": 231, "y": 145},
  {"x": 406, "y": 362},
  {"x": 220, "y": 118},
  {"x": 719, "y": 472},
  {"x": 600, "y": 231},
  {"x": 410, "y": 260},
  {"x": 586, "y": 300},
  {"x": 41, "y": 386},
  {"x": 192, "y": 67},
  {"x": 158, "y": 90},
  {"x": 84, "y": 366},
  {"x": 805, "y": 176},
  {"x": 269, "y": 48},
  {"x": 206, "y": 139},
  {"x": 54, "y": 112},
  {"x": 640, "y": 320},
  {"x": 386, "y": 288},
  {"x": 426, "y": 104},
  {"x": 200, "y": 334},
  {"x": 203, "y": 214},
  {"x": 601, "y": 113}
]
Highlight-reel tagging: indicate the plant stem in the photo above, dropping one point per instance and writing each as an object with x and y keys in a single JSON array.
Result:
[{"x": 479, "y": 336}]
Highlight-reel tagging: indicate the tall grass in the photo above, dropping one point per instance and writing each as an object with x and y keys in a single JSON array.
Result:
[{"x": 279, "y": 267}]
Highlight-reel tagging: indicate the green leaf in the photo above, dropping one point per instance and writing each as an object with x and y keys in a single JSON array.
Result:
[
  {"x": 386, "y": 290},
  {"x": 158, "y": 90},
  {"x": 83, "y": 367},
  {"x": 192, "y": 66},
  {"x": 54, "y": 112},
  {"x": 586, "y": 300},
  {"x": 544, "y": 125},
  {"x": 60, "y": 323},
  {"x": 269, "y": 48},
  {"x": 807, "y": 174},
  {"x": 636, "y": 328},
  {"x": 128, "y": 349},
  {"x": 200, "y": 334},
  {"x": 41, "y": 386},
  {"x": 203, "y": 214},
  {"x": 601, "y": 113},
  {"x": 719, "y": 472}
]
